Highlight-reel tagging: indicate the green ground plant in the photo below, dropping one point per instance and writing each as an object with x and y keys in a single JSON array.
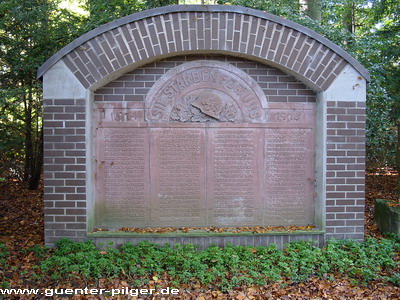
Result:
[
  {"x": 4, "y": 254},
  {"x": 225, "y": 268}
]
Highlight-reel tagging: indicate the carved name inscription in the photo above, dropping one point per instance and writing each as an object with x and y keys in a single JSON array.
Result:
[
  {"x": 288, "y": 176},
  {"x": 124, "y": 173},
  {"x": 204, "y": 91},
  {"x": 233, "y": 176},
  {"x": 178, "y": 176},
  {"x": 204, "y": 150}
]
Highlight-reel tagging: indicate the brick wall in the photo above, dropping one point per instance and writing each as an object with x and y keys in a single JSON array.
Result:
[
  {"x": 277, "y": 86},
  {"x": 64, "y": 169},
  {"x": 345, "y": 190}
]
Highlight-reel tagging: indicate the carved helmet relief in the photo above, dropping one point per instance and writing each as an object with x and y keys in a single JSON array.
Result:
[
  {"x": 206, "y": 91},
  {"x": 206, "y": 105}
]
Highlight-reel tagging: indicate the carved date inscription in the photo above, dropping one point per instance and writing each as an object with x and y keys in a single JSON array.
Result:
[
  {"x": 124, "y": 168},
  {"x": 178, "y": 174},
  {"x": 233, "y": 176},
  {"x": 204, "y": 149},
  {"x": 288, "y": 177}
]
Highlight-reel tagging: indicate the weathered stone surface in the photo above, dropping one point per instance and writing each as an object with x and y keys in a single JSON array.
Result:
[
  {"x": 288, "y": 175},
  {"x": 199, "y": 159},
  {"x": 387, "y": 217},
  {"x": 178, "y": 176},
  {"x": 234, "y": 176},
  {"x": 203, "y": 91},
  {"x": 123, "y": 183}
]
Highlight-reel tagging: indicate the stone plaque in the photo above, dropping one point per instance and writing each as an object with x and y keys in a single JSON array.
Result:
[
  {"x": 205, "y": 149},
  {"x": 233, "y": 176},
  {"x": 123, "y": 158},
  {"x": 288, "y": 176},
  {"x": 178, "y": 176}
]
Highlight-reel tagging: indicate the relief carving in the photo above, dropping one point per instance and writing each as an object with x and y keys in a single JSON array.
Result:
[
  {"x": 287, "y": 116},
  {"x": 206, "y": 106},
  {"x": 206, "y": 91}
]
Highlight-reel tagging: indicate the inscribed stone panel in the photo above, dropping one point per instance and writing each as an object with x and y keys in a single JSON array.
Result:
[
  {"x": 123, "y": 176},
  {"x": 233, "y": 176},
  {"x": 178, "y": 176},
  {"x": 200, "y": 158},
  {"x": 288, "y": 176}
]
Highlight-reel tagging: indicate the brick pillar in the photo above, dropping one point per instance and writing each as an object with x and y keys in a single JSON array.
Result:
[
  {"x": 345, "y": 180},
  {"x": 64, "y": 169}
]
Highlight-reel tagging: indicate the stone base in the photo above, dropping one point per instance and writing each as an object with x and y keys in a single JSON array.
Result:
[
  {"x": 387, "y": 217},
  {"x": 204, "y": 240}
]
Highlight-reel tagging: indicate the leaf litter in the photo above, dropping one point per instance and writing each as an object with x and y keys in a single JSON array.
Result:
[{"x": 21, "y": 228}]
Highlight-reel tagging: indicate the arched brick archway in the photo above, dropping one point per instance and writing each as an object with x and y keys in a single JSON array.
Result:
[
  {"x": 132, "y": 41},
  {"x": 94, "y": 60}
]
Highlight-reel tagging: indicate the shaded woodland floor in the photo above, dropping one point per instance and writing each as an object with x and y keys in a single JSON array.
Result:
[
  {"x": 21, "y": 227},
  {"x": 378, "y": 186}
]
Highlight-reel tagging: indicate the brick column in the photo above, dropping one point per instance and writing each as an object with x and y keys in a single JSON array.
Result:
[
  {"x": 64, "y": 169},
  {"x": 345, "y": 156},
  {"x": 345, "y": 191},
  {"x": 64, "y": 155}
]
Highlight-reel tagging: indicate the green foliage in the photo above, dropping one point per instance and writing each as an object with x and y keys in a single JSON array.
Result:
[
  {"x": 227, "y": 267},
  {"x": 282, "y": 8},
  {"x": 361, "y": 261},
  {"x": 158, "y": 3},
  {"x": 39, "y": 251},
  {"x": 101, "y": 12},
  {"x": 4, "y": 254},
  {"x": 302, "y": 258},
  {"x": 30, "y": 32}
]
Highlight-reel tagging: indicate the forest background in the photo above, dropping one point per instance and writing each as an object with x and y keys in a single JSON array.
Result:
[{"x": 33, "y": 30}]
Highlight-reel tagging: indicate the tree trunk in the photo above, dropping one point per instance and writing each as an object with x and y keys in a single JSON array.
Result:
[
  {"x": 36, "y": 170},
  {"x": 314, "y": 9},
  {"x": 28, "y": 138},
  {"x": 348, "y": 16},
  {"x": 398, "y": 160},
  {"x": 35, "y": 142}
]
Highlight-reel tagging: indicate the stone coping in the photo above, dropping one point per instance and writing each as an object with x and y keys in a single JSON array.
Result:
[
  {"x": 200, "y": 233},
  {"x": 199, "y": 8}
]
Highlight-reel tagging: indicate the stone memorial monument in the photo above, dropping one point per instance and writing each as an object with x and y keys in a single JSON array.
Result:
[{"x": 203, "y": 116}]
